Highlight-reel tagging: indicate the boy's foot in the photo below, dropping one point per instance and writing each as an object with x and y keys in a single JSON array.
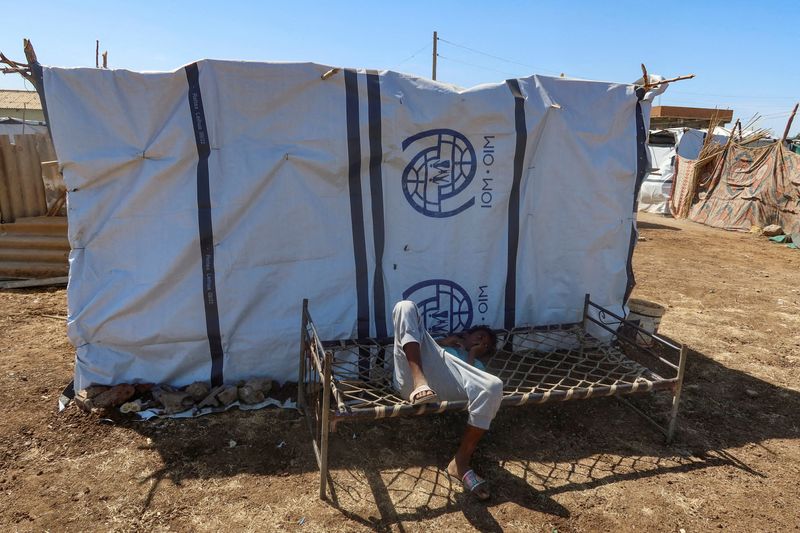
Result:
[
  {"x": 470, "y": 480},
  {"x": 423, "y": 394}
]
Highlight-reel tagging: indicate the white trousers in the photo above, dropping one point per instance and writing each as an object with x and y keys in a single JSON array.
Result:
[{"x": 451, "y": 378}]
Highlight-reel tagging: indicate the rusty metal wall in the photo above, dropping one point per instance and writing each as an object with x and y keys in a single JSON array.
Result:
[
  {"x": 22, "y": 189},
  {"x": 35, "y": 247}
]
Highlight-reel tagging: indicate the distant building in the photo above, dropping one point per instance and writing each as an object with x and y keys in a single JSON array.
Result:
[
  {"x": 15, "y": 126},
  {"x": 21, "y": 105},
  {"x": 664, "y": 117}
]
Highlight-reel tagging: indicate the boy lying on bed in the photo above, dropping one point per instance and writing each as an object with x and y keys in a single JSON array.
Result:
[{"x": 448, "y": 370}]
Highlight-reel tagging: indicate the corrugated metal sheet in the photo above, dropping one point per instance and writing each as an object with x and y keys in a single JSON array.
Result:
[
  {"x": 34, "y": 248},
  {"x": 23, "y": 191}
]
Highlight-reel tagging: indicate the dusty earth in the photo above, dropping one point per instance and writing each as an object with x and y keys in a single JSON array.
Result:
[{"x": 581, "y": 466}]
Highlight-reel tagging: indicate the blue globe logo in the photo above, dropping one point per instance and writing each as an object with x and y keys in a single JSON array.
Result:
[
  {"x": 444, "y": 165},
  {"x": 444, "y": 304}
]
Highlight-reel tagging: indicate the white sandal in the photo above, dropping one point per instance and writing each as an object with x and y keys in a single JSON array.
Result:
[
  {"x": 418, "y": 396},
  {"x": 472, "y": 482}
]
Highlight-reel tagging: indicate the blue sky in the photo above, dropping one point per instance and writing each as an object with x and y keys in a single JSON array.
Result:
[{"x": 746, "y": 55}]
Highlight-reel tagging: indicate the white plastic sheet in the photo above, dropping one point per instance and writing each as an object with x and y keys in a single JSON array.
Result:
[
  {"x": 657, "y": 187},
  {"x": 206, "y": 203}
]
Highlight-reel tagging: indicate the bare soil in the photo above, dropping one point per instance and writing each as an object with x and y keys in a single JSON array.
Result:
[{"x": 580, "y": 466}]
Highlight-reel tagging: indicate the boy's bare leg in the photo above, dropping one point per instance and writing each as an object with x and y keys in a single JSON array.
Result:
[
  {"x": 460, "y": 463},
  {"x": 414, "y": 358}
]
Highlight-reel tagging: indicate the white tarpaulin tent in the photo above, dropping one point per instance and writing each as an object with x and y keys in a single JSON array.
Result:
[
  {"x": 205, "y": 203},
  {"x": 662, "y": 147}
]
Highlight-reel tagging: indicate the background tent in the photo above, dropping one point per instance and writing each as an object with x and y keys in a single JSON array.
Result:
[
  {"x": 205, "y": 203},
  {"x": 663, "y": 146},
  {"x": 751, "y": 186}
]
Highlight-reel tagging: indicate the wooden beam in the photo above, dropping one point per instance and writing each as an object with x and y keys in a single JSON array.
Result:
[{"x": 703, "y": 113}]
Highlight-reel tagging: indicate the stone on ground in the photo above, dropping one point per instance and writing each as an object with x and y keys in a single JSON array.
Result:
[
  {"x": 228, "y": 395},
  {"x": 197, "y": 390},
  {"x": 211, "y": 400},
  {"x": 250, "y": 394},
  {"x": 116, "y": 395},
  {"x": 173, "y": 401}
]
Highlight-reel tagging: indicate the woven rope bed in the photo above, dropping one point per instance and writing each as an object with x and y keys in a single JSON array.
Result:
[{"x": 604, "y": 355}]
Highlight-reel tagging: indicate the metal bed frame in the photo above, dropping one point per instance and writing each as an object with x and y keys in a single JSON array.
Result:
[{"x": 601, "y": 356}]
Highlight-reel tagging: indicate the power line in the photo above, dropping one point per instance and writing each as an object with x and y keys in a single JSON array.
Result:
[
  {"x": 412, "y": 56},
  {"x": 440, "y": 56},
  {"x": 493, "y": 56},
  {"x": 737, "y": 96},
  {"x": 708, "y": 96},
  {"x": 776, "y": 115}
]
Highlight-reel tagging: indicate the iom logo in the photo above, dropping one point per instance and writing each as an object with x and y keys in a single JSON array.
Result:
[
  {"x": 443, "y": 167},
  {"x": 444, "y": 304}
]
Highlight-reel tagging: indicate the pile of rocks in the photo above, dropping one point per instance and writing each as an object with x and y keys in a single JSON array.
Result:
[
  {"x": 132, "y": 398},
  {"x": 772, "y": 230},
  {"x": 776, "y": 234}
]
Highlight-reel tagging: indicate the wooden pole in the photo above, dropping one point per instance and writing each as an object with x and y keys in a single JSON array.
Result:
[
  {"x": 301, "y": 381},
  {"x": 97, "y": 53},
  {"x": 30, "y": 53},
  {"x": 12, "y": 185},
  {"x": 677, "y": 78},
  {"x": 435, "y": 54},
  {"x": 789, "y": 124},
  {"x": 326, "y": 428},
  {"x": 733, "y": 132},
  {"x": 676, "y": 394},
  {"x": 330, "y": 73},
  {"x": 22, "y": 69},
  {"x": 6, "y": 200}
]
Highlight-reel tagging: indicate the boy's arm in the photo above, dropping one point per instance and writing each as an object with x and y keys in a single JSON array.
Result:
[
  {"x": 452, "y": 340},
  {"x": 476, "y": 352}
]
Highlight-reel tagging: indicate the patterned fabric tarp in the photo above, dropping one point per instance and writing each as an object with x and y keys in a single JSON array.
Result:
[{"x": 751, "y": 187}]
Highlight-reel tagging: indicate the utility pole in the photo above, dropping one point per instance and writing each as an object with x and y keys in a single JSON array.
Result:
[
  {"x": 788, "y": 124},
  {"x": 435, "y": 42}
]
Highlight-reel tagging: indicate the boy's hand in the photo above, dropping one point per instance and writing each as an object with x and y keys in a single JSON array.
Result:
[{"x": 477, "y": 351}]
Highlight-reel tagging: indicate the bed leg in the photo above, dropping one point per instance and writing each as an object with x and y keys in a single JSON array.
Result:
[
  {"x": 301, "y": 380},
  {"x": 325, "y": 430},
  {"x": 676, "y": 397},
  {"x": 585, "y": 310}
]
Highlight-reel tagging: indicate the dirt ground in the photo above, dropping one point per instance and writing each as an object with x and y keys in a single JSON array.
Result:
[{"x": 581, "y": 466}]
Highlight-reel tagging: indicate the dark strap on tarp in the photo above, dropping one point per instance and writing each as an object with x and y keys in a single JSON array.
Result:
[
  {"x": 376, "y": 191},
  {"x": 356, "y": 200},
  {"x": 205, "y": 224},
  {"x": 642, "y": 166},
  {"x": 513, "y": 204}
]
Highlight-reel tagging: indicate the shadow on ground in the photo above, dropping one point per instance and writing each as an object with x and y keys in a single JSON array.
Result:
[
  {"x": 641, "y": 224},
  {"x": 387, "y": 473}
]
